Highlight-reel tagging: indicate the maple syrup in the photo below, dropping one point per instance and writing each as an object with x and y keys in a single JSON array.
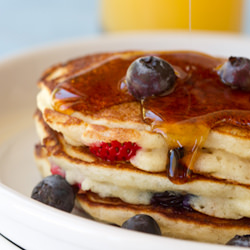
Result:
[{"x": 199, "y": 102}]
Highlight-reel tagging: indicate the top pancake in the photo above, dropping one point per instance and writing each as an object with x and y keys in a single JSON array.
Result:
[
  {"x": 86, "y": 99},
  {"x": 94, "y": 87}
]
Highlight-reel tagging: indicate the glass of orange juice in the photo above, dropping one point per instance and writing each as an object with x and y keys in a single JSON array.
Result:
[{"x": 218, "y": 15}]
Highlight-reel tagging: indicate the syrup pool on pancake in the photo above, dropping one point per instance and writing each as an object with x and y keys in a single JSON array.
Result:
[{"x": 188, "y": 113}]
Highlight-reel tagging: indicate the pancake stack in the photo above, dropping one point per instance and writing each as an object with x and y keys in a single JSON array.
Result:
[{"x": 182, "y": 158}]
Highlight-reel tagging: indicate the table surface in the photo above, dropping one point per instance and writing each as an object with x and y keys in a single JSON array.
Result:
[{"x": 27, "y": 23}]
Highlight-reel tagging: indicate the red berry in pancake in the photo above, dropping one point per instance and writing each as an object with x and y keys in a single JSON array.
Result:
[
  {"x": 56, "y": 170},
  {"x": 114, "y": 151}
]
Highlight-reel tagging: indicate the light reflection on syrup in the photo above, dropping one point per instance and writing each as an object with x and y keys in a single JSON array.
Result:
[{"x": 58, "y": 97}]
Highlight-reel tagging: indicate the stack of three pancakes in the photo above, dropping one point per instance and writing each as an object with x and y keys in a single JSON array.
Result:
[{"x": 201, "y": 195}]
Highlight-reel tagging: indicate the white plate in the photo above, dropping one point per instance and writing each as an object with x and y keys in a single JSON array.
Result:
[
  {"x": 7, "y": 245},
  {"x": 33, "y": 225}
]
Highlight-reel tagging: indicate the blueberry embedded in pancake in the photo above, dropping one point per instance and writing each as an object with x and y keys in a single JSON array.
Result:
[{"x": 117, "y": 145}]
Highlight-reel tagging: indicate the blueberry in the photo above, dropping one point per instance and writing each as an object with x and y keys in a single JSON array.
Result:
[
  {"x": 55, "y": 191},
  {"x": 150, "y": 76},
  {"x": 243, "y": 241},
  {"x": 172, "y": 199},
  {"x": 236, "y": 73},
  {"x": 142, "y": 223}
]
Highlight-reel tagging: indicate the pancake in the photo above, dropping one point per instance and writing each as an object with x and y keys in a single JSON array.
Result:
[
  {"x": 174, "y": 222},
  {"x": 134, "y": 196},
  {"x": 85, "y": 102},
  {"x": 123, "y": 121},
  {"x": 213, "y": 197}
]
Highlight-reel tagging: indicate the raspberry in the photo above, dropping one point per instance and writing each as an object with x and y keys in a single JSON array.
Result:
[
  {"x": 115, "y": 151},
  {"x": 56, "y": 170}
]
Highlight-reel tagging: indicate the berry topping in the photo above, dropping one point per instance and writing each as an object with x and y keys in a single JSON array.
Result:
[
  {"x": 243, "y": 241},
  {"x": 56, "y": 170},
  {"x": 55, "y": 191},
  {"x": 142, "y": 223},
  {"x": 171, "y": 199},
  {"x": 236, "y": 73},
  {"x": 150, "y": 76},
  {"x": 114, "y": 151}
]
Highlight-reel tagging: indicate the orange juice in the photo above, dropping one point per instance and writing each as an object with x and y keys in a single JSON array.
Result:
[{"x": 220, "y": 15}]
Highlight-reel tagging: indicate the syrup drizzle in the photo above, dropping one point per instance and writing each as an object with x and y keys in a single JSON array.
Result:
[
  {"x": 190, "y": 15},
  {"x": 199, "y": 102}
]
